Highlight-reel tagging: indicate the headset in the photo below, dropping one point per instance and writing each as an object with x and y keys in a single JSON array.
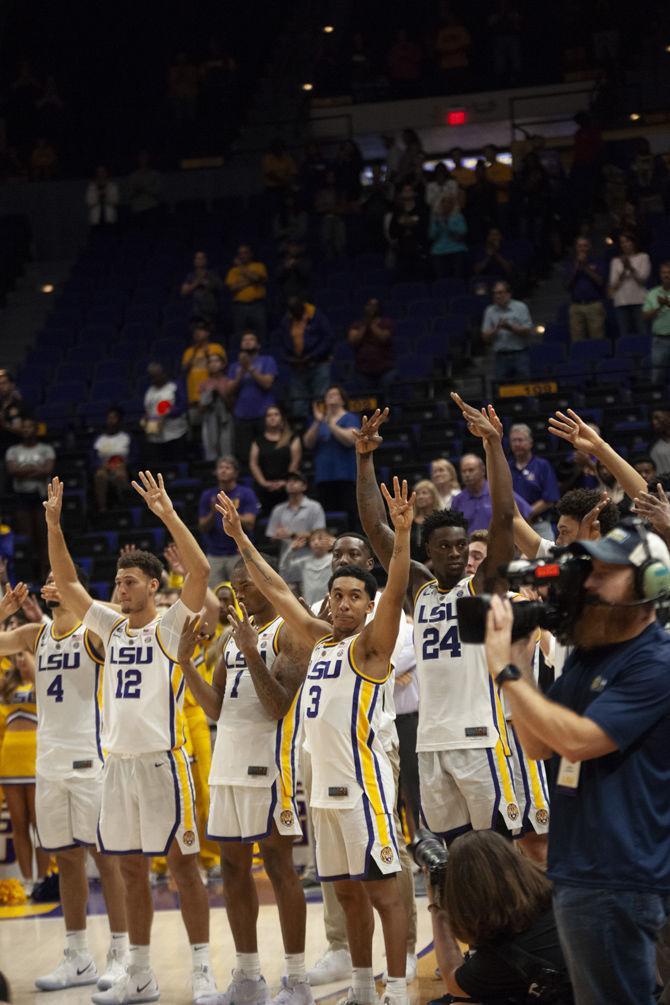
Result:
[{"x": 652, "y": 577}]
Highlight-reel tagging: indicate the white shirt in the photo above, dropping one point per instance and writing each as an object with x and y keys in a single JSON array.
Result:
[
  {"x": 632, "y": 291},
  {"x": 107, "y": 446}
]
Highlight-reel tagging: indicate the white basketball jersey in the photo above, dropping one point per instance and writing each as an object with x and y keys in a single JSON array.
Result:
[
  {"x": 341, "y": 719},
  {"x": 68, "y": 682},
  {"x": 458, "y": 703},
  {"x": 143, "y": 692}
]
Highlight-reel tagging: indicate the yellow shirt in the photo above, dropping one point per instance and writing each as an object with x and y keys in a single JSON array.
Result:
[
  {"x": 501, "y": 175},
  {"x": 195, "y": 357},
  {"x": 254, "y": 291},
  {"x": 464, "y": 176},
  {"x": 278, "y": 171}
]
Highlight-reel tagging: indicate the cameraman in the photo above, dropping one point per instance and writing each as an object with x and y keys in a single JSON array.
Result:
[
  {"x": 499, "y": 903},
  {"x": 606, "y": 723}
]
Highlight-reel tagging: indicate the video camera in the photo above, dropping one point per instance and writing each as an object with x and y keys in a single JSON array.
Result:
[
  {"x": 563, "y": 575},
  {"x": 430, "y": 853}
]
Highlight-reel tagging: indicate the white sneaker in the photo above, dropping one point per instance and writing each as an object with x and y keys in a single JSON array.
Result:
[
  {"x": 134, "y": 985},
  {"x": 116, "y": 967},
  {"x": 348, "y": 998},
  {"x": 410, "y": 969},
  {"x": 242, "y": 990},
  {"x": 334, "y": 965},
  {"x": 74, "y": 969},
  {"x": 203, "y": 984},
  {"x": 293, "y": 992}
]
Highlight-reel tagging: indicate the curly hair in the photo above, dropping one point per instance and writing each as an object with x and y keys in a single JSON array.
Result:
[
  {"x": 578, "y": 502},
  {"x": 442, "y": 518}
]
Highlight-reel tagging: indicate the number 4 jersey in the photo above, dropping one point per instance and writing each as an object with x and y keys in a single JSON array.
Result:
[
  {"x": 458, "y": 704},
  {"x": 68, "y": 686}
]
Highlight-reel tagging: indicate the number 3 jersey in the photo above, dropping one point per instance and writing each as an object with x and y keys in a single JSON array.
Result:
[
  {"x": 68, "y": 684},
  {"x": 459, "y": 706},
  {"x": 252, "y": 748},
  {"x": 342, "y": 715},
  {"x": 143, "y": 686}
]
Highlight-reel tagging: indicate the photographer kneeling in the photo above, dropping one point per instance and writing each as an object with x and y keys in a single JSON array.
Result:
[
  {"x": 606, "y": 724},
  {"x": 499, "y": 902}
]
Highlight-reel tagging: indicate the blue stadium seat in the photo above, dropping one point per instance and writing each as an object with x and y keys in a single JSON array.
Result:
[
  {"x": 591, "y": 350},
  {"x": 405, "y": 292},
  {"x": 453, "y": 326},
  {"x": 428, "y": 309},
  {"x": 633, "y": 345},
  {"x": 556, "y": 332},
  {"x": 70, "y": 393},
  {"x": 448, "y": 288},
  {"x": 544, "y": 357},
  {"x": 473, "y": 306}
]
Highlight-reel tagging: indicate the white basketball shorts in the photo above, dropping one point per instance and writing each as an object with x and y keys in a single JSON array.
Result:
[
  {"x": 351, "y": 842},
  {"x": 246, "y": 813},
  {"x": 530, "y": 785},
  {"x": 67, "y": 811},
  {"x": 148, "y": 801},
  {"x": 466, "y": 789}
]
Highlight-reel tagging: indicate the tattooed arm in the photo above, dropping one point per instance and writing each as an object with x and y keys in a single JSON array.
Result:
[
  {"x": 208, "y": 696},
  {"x": 275, "y": 688}
]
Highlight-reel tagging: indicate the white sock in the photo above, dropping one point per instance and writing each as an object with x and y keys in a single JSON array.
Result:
[
  {"x": 295, "y": 967},
  {"x": 139, "y": 957},
  {"x": 77, "y": 941},
  {"x": 250, "y": 964},
  {"x": 200, "y": 955},
  {"x": 119, "y": 943},
  {"x": 396, "y": 989},
  {"x": 363, "y": 984}
]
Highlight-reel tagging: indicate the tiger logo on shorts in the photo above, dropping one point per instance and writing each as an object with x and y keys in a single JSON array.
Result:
[
  {"x": 189, "y": 838},
  {"x": 542, "y": 817},
  {"x": 386, "y": 855},
  {"x": 286, "y": 817},
  {"x": 512, "y": 811}
]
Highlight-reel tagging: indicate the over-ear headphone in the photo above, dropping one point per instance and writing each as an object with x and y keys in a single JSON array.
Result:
[{"x": 652, "y": 576}]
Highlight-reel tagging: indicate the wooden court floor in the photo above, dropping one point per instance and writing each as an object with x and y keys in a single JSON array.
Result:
[{"x": 31, "y": 944}]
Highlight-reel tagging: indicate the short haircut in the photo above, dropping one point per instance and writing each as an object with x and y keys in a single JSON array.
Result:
[
  {"x": 521, "y": 427},
  {"x": 142, "y": 560},
  {"x": 442, "y": 518},
  {"x": 241, "y": 564},
  {"x": 229, "y": 459},
  {"x": 643, "y": 459},
  {"x": 479, "y": 535},
  {"x": 502, "y": 282},
  {"x": 358, "y": 537},
  {"x": 578, "y": 502},
  {"x": 342, "y": 390},
  {"x": 355, "y": 572}
]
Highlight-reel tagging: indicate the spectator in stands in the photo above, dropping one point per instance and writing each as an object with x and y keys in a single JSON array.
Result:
[
  {"x": 220, "y": 549},
  {"x": 440, "y": 185},
  {"x": 481, "y": 208},
  {"x": 504, "y": 30},
  {"x": 165, "y": 424},
  {"x": 290, "y": 224},
  {"x": 478, "y": 546},
  {"x": 533, "y": 478},
  {"x": 312, "y": 170},
  {"x": 447, "y": 234},
  {"x": 427, "y": 501},
  {"x": 501, "y": 177},
  {"x": 645, "y": 466},
  {"x": 216, "y": 421},
  {"x": 43, "y": 160},
  {"x": 297, "y": 517},
  {"x": 30, "y": 464},
  {"x": 660, "y": 448},
  {"x": 408, "y": 232},
  {"x": 534, "y": 205},
  {"x": 331, "y": 438},
  {"x": 145, "y": 189},
  {"x": 247, "y": 283},
  {"x": 585, "y": 281},
  {"x": 11, "y": 403},
  {"x": 507, "y": 325},
  {"x": 348, "y": 165},
  {"x": 279, "y": 168},
  {"x": 656, "y": 309},
  {"x": 204, "y": 286},
  {"x": 474, "y": 502},
  {"x": 111, "y": 450},
  {"x": 463, "y": 175},
  {"x": 444, "y": 478},
  {"x": 629, "y": 272},
  {"x": 194, "y": 366},
  {"x": 452, "y": 47},
  {"x": 294, "y": 271},
  {"x": 371, "y": 338},
  {"x": 374, "y": 208},
  {"x": 403, "y": 64},
  {"x": 489, "y": 262},
  {"x": 329, "y": 205},
  {"x": 250, "y": 392},
  {"x": 102, "y": 199},
  {"x": 309, "y": 574},
  {"x": 308, "y": 344},
  {"x": 274, "y": 454}
]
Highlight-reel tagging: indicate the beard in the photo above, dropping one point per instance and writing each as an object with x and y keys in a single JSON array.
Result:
[{"x": 599, "y": 625}]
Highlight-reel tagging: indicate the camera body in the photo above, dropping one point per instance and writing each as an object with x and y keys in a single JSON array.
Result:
[
  {"x": 563, "y": 576},
  {"x": 430, "y": 853}
]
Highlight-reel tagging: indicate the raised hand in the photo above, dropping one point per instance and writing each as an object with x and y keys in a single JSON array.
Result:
[
  {"x": 188, "y": 640},
  {"x": 655, "y": 509},
  {"x": 479, "y": 423},
  {"x": 53, "y": 503},
  {"x": 494, "y": 419},
  {"x": 367, "y": 437},
  {"x": 244, "y": 633},
  {"x": 13, "y": 599},
  {"x": 232, "y": 524},
  {"x": 589, "y": 528},
  {"x": 173, "y": 559},
  {"x": 154, "y": 495},
  {"x": 401, "y": 509},
  {"x": 575, "y": 431}
]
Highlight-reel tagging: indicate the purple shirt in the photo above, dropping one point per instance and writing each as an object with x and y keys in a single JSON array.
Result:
[
  {"x": 478, "y": 510},
  {"x": 537, "y": 480},
  {"x": 582, "y": 288},
  {"x": 216, "y": 541},
  {"x": 252, "y": 400}
]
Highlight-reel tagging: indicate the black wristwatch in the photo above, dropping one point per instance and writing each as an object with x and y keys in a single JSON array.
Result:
[{"x": 510, "y": 672}]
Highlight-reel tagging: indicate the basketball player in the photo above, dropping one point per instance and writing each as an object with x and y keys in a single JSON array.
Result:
[
  {"x": 462, "y": 743},
  {"x": 352, "y": 792},
  {"x": 254, "y": 696},
  {"x": 69, "y": 778},
  {"x": 147, "y": 803}
]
